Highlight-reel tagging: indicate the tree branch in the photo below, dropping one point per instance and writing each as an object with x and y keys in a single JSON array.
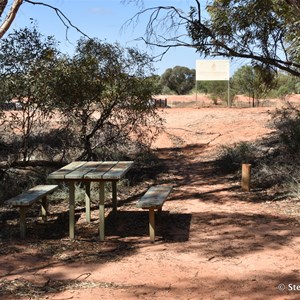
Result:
[
  {"x": 15, "y": 8},
  {"x": 63, "y": 18},
  {"x": 3, "y": 4},
  {"x": 165, "y": 25},
  {"x": 10, "y": 16}
]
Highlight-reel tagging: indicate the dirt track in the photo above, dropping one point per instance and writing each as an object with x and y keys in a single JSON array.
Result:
[{"x": 213, "y": 240}]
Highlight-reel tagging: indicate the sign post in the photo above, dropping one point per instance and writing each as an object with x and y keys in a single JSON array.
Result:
[{"x": 213, "y": 70}]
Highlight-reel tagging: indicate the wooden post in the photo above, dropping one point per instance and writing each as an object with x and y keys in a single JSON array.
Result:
[
  {"x": 71, "y": 210},
  {"x": 44, "y": 208},
  {"x": 101, "y": 210},
  {"x": 114, "y": 196},
  {"x": 88, "y": 202},
  {"x": 152, "y": 224},
  {"x": 23, "y": 221},
  {"x": 246, "y": 176}
]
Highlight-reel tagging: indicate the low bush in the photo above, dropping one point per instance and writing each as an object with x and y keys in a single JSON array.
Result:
[
  {"x": 231, "y": 158},
  {"x": 287, "y": 123}
]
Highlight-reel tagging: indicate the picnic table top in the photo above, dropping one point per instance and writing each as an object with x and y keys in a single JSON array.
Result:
[{"x": 92, "y": 170}]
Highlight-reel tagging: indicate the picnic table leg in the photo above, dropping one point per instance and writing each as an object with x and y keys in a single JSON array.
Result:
[
  {"x": 152, "y": 224},
  {"x": 23, "y": 222},
  {"x": 88, "y": 201},
  {"x": 101, "y": 210},
  {"x": 44, "y": 208},
  {"x": 72, "y": 210},
  {"x": 114, "y": 196}
]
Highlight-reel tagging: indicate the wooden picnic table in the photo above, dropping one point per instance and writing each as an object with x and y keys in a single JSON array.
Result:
[{"x": 87, "y": 172}]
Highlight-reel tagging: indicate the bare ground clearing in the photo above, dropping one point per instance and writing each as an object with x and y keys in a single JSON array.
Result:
[{"x": 213, "y": 240}]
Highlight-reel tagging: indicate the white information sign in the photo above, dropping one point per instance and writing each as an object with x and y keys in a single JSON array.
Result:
[{"x": 212, "y": 70}]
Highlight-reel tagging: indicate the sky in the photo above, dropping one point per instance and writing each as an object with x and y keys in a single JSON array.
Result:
[{"x": 105, "y": 19}]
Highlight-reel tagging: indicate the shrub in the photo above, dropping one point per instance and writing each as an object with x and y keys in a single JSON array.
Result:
[
  {"x": 231, "y": 158},
  {"x": 287, "y": 123}
]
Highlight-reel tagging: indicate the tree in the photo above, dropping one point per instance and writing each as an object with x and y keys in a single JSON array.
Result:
[
  {"x": 285, "y": 85},
  {"x": 248, "y": 81},
  {"x": 24, "y": 55},
  {"x": 6, "y": 21},
  {"x": 179, "y": 79},
  {"x": 266, "y": 32},
  {"x": 103, "y": 94},
  {"x": 218, "y": 90}
]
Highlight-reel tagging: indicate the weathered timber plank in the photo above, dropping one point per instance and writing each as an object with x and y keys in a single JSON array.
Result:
[
  {"x": 154, "y": 197},
  {"x": 80, "y": 172},
  {"x": 100, "y": 170},
  {"x": 32, "y": 195},
  {"x": 118, "y": 171},
  {"x": 61, "y": 173}
]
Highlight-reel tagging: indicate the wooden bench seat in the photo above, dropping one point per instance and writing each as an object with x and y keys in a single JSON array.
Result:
[
  {"x": 26, "y": 199},
  {"x": 153, "y": 199}
]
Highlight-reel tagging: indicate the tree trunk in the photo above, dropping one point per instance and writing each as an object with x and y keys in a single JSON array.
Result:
[
  {"x": 10, "y": 15},
  {"x": 253, "y": 100}
]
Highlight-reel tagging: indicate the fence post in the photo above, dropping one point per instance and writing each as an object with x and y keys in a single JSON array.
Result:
[{"x": 246, "y": 176}]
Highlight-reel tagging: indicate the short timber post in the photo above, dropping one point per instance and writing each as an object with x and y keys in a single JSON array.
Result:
[
  {"x": 44, "y": 208},
  {"x": 23, "y": 221},
  {"x": 246, "y": 176},
  {"x": 152, "y": 224}
]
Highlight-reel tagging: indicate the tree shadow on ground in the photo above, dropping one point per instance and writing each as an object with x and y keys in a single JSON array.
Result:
[
  {"x": 48, "y": 245},
  {"x": 255, "y": 286},
  {"x": 218, "y": 235},
  {"x": 223, "y": 235},
  {"x": 56, "y": 227},
  {"x": 170, "y": 227},
  {"x": 188, "y": 171}
]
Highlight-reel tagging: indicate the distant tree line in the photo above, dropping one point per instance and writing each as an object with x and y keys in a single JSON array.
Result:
[{"x": 247, "y": 80}]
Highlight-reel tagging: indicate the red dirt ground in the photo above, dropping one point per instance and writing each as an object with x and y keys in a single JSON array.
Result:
[{"x": 213, "y": 240}]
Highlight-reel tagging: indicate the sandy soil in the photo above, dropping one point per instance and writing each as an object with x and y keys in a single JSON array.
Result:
[{"x": 214, "y": 241}]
